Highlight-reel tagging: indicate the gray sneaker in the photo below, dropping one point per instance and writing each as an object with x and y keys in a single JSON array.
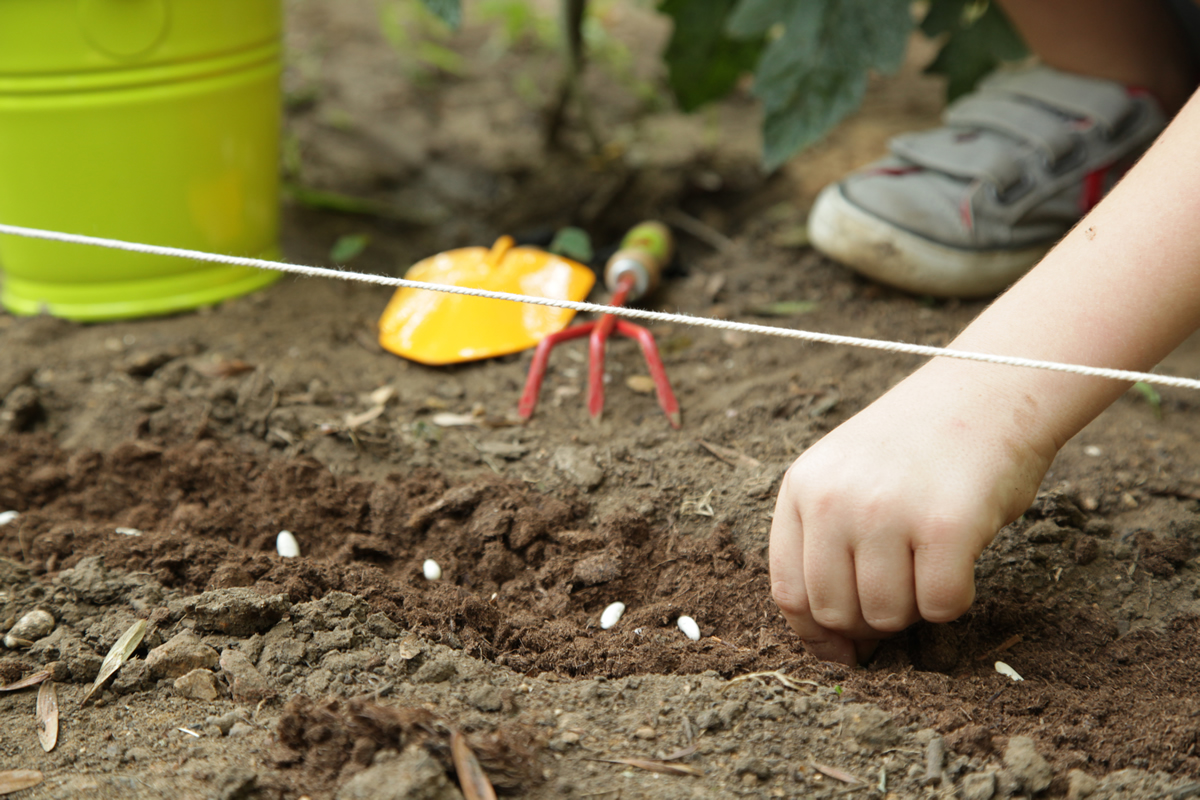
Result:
[{"x": 965, "y": 210}]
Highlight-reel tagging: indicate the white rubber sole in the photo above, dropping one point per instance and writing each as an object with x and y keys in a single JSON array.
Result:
[{"x": 872, "y": 247}]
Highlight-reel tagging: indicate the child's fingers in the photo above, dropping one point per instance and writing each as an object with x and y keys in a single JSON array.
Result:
[
  {"x": 886, "y": 592},
  {"x": 832, "y": 586},
  {"x": 944, "y": 571},
  {"x": 791, "y": 594}
]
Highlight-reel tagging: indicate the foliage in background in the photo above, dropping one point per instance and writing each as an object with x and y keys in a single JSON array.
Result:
[
  {"x": 979, "y": 39},
  {"x": 811, "y": 58}
]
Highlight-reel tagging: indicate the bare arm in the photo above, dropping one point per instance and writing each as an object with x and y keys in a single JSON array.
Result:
[{"x": 879, "y": 523}]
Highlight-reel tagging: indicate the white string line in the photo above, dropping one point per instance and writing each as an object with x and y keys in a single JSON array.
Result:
[{"x": 636, "y": 313}]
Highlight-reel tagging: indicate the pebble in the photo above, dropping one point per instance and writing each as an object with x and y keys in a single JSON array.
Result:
[
  {"x": 690, "y": 628},
  {"x": 1027, "y": 764},
  {"x": 8, "y": 516},
  {"x": 29, "y": 628},
  {"x": 246, "y": 683},
  {"x": 286, "y": 545},
  {"x": 612, "y": 615},
  {"x": 182, "y": 654},
  {"x": 199, "y": 684},
  {"x": 433, "y": 572}
]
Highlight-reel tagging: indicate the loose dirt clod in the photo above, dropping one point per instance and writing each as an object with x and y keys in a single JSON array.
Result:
[{"x": 29, "y": 628}]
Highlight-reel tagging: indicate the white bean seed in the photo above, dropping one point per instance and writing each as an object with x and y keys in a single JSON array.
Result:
[
  {"x": 1005, "y": 669},
  {"x": 128, "y": 531},
  {"x": 432, "y": 571},
  {"x": 690, "y": 628},
  {"x": 8, "y": 516},
  {"x": 286, "y": 545},
  {"x": 612, "y": 615}
]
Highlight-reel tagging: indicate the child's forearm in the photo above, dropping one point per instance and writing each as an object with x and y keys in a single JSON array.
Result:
[{"x": 1121, "y": 290}]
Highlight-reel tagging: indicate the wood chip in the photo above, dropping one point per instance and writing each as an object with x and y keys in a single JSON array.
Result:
[
  {"x": 471, "y": 778},
  {"x": 642, "y": 384},
  {"x": 836, "y": 774},
  {"x": 450, "y": 420},
  {"x": 14, "y": 780},
  {"x": 47, "y": 716},
  {"x": 25, "y": 683},
  {"x": 729, "y": 455},
  {"x": 118, "y": 654},
  {"x": 684, "y": 753},
  {"x": 661, "y": 767},
  {"x": 224, "y": 369},
  {"x": 354, "y": 421}
]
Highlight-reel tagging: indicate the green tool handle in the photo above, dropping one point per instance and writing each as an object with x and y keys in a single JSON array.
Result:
[{"x": 645, "y": 251}]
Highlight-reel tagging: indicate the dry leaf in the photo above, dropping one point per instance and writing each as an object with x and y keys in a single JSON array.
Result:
[
  {"x": 358, "y": 420},
  {"x": 14, "y": 780},
  {"x": 47, "y": 716},
  {"x": 117, "y": 655},
  {"x": 224, "y": 369},
  {"x": 642, "y": 384},
  {"x": 836, "y": 774},
  {"x": 25, "y": 683},
  {"x": 661, "y": 767},
  {"x": 449, "y": 420},
  {"x": 683, "y": 753},
  {"x": 729, "y": 455},
  {"x": 474, "y": 783}
]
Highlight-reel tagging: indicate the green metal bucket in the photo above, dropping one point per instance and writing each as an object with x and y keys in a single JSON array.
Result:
[{"x": 152, "y": 121}]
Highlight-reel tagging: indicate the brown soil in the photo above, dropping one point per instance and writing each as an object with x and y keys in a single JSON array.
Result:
[{"x": 345, "y": 673}]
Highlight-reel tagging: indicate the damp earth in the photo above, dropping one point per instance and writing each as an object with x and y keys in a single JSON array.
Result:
[{"x": 153, "y": 463}]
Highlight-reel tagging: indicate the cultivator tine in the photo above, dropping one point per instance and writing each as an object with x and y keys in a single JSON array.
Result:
[{"x": 601, "y": 330}]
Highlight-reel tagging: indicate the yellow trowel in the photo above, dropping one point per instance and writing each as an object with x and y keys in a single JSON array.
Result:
[{"x": 438, "y": 328}]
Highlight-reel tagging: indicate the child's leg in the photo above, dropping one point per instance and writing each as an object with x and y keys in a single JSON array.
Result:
[{"x": 1133, "y": 42}]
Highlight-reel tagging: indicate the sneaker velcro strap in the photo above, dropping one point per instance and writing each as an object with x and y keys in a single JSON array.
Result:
[
  {"x": 1049, "y": 132},
  {"x": 1104, "y": 102},
  {"x": 969, "y": 155}
]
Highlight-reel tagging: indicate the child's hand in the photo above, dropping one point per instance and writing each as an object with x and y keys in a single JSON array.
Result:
[{"x": 879, "y": 523}]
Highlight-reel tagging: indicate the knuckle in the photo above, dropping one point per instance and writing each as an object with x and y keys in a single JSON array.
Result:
[
  {"x": 887, "y": 623},
  {"x": 834, "y": 619},
  {"x": 790, "y": 601}
]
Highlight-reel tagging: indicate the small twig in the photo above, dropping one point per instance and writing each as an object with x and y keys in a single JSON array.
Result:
[
  {"x": 700, "y": 230},
  {"x": 935, "y": 756},
  {"x": 992, "y": 699},
  {"x": 1011, "y": 641},
  {"x": 779, "y": 675}
]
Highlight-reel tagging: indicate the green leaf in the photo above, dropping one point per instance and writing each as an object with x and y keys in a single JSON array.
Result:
[
  {"x": 815, "y": 72},
  {"x": 785, "y": 308},
  {"x": 754, "y": 18},
  {"x": 1151, "y": 396},
  {"x": 448, "y": 11},
  {"x": 347, "y": 247},
  {"x": 572, "y": 243},
  {"x": 980, "y": 39},
  {"x": 703, "y": 63}
]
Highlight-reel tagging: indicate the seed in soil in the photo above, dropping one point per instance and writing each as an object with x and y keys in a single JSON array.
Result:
[
  {"x": 690, "y": 628},
  {"x": 612, "y": 615},
  {"x": 7, "y": 517},
  {"x": 128, "y": 531},
  {"x": 286, "y": 545},
  {"x": 1005, "y": 669},
  {"x": 432, "y": 571}
]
